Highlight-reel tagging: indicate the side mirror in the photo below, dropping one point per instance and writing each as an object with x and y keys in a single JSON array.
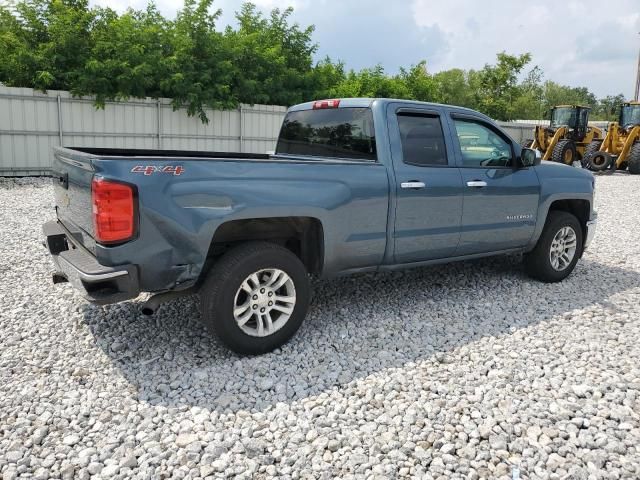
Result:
[{"x": 529, "y": 158}]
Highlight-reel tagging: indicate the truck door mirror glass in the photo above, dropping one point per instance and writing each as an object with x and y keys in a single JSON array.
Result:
[{"x": 529, "y": 158}]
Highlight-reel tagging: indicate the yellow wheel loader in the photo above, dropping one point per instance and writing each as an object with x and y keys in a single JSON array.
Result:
[
  {"x": 567, "y": 136},
  {"x": 621, "y": 146}
]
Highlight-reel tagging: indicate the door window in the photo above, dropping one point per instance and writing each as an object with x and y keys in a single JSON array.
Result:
[
  {"x": 482, "y": 146},
  {"x": 422, "y": 140}
]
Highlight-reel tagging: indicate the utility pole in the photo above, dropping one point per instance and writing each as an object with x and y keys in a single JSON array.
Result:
[{"x": 637, "y": 92}]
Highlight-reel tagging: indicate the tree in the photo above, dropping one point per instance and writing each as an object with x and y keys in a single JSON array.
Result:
[
  {"x": 498, "y": 88},
  {"x": 456, "y": 87},
  {"x": 65, "y": 44},
  {"x": 419, "y": 83},
  {"x": 127, "y": 57},
  {"x": 556, "y": 94},
  {"x": 200, "y": 67},
  {"x": 273, "y": 59},
  {"x": 45, "y": 43},
  {"x": 608, "y": 108},
  {"x": 528, "y": 105}
]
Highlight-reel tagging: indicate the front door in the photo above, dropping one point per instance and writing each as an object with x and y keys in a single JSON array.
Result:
[
  {"x": 500, "y": 201},
  {"x": 428, "y": 187}
]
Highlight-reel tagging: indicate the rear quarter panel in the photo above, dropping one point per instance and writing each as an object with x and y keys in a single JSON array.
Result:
[{"x": 179, "y": 214}]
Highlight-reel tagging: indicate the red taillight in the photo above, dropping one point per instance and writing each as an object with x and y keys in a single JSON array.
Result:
[
  {"x": 113, "y": 210},
  {"x": 326, "y": 104}
]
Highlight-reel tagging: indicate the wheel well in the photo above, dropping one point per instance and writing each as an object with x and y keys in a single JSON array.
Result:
[
  {"x": 581, "y": 209},
  {"x": 303, "y": 236}
]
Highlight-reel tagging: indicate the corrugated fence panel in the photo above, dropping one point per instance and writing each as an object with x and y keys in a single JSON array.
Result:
[{"x": 32, "y": 123}]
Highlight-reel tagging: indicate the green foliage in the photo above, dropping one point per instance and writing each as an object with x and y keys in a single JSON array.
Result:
[
  {"x": 456, "y": 87},
  {"x": 128, "y": 56},
  {"x": 608, "y": 108},
  {"x": 45, "y": 43},
  {"x": 273, "y": 59},
  {"x": 199, "y": 67},
  {"x": 555, "y": 94},
  {"x": 498, "y": 87},
  {"x": 67, "y": 45}
]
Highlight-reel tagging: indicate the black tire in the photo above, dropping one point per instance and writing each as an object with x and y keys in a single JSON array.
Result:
[
  {"x": 538, "y": 262},
  {"x": 589, "y": 150},
  {"x": 218, "y": 295},
  {"x": 634, "y": 159},
  {"x": 600, "y": 161},
  {"x": 564, "y": 152}
]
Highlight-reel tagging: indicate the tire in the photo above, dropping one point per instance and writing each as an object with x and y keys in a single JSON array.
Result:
[
  {"x": 538, "y": 262},
  {"x": 222, "y": 291},
  {"x": 634, "y": 159},
  {"x": 589, "y": 150},
  {"x": 564, "y": 152},
  {"x": 600, "y": 161}
]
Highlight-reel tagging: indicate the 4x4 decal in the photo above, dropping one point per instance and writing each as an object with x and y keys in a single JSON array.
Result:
[{"x": 151, "y": 169}]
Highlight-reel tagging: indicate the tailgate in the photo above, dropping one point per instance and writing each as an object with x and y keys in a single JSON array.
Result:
[{"x": 72, "y": 172}]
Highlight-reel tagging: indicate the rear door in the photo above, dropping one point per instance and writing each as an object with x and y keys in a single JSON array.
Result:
[
  {"x": 428, "y": 186},
  {"x": 500, "y": 200}
]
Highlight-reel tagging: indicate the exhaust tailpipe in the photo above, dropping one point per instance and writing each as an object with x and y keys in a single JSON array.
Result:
[
  {"x": 153, "y": 303},
  {"x": 59, "y": 277}
]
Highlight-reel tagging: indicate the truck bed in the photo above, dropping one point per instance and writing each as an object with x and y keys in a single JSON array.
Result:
[{"x": 128, "y": 153}]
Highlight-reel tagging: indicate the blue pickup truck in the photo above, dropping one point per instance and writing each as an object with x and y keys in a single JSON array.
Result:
[{"x": 355, "y": 185}]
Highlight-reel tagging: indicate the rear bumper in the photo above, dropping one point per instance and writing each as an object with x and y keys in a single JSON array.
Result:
[
  {"x": 591, "y": 229},
  {"x": 97, "y": 283}
]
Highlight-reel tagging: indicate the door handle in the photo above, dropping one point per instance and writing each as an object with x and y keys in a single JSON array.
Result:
[
  {"x": 477, "y": 183},
  {"x": 413, "y": 184}
]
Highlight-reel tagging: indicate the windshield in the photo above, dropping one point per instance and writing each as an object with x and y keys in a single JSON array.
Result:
[
  {"x": 563, "y": 116},
  {"x": 630, "y": 115}
]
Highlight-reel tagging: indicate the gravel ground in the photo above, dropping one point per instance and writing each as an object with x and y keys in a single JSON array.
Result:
[{"x": 463, "y": 371}]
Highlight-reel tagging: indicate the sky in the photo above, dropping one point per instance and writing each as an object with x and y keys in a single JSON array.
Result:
[{"x": 587, "y": 43}]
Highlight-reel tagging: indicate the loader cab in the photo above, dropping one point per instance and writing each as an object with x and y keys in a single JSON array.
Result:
[
  {"x": 629, "y": 114},
  {"x": 575, "y": 117}
]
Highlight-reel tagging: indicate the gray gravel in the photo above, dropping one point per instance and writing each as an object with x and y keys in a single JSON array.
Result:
[{"x": 463, "y": 371}]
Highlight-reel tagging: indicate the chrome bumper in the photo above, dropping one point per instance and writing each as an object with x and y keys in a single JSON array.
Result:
[{"x": 591, "y": 229}]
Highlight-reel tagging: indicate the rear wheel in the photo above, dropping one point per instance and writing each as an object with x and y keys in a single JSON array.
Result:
[
  {"x": 558, "y": 249},
  {"x": 564, "y": 152},
  {"x": 255, "y": 297},
  {"x": 589, "y": 150},
  {"x": 634, "y": 159}
]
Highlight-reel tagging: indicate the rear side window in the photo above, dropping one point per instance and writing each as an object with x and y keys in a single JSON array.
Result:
[
  {"x": 422, "y": 140},
  {"x": 331, "y": 132}
]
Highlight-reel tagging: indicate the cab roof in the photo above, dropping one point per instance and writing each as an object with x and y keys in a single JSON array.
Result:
[
  {"x": 586, "y": 107},
  {"x": 368, "y": 102}
]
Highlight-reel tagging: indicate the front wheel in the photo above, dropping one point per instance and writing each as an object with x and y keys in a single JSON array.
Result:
[
  {"x": 634, "y": 159},
  {"x": 564, "y": 152},
  {"x": 558, "y": 249},
  {"x": 255, "y": 297}
]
